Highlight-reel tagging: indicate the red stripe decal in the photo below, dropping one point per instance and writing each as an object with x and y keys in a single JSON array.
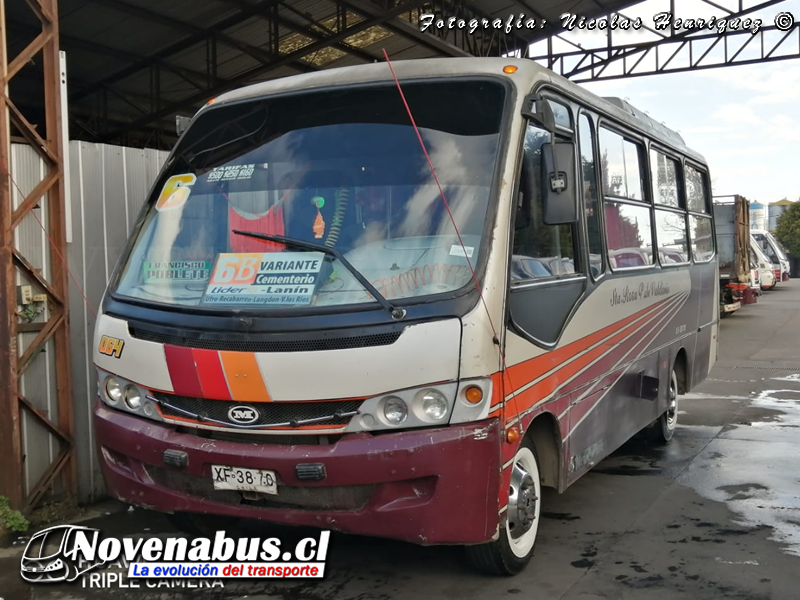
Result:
[
  {"x": 212, "y": 377},
  {"x": 182, "y": 371}
]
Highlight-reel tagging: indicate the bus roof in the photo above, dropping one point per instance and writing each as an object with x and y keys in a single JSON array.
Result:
[{"x": 527, "y": 75}]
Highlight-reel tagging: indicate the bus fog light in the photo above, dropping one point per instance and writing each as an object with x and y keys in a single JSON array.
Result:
[
  {"x": 149, "y": 410},
  {"x": 113, "y": 390},
  {"x": 132, "y": 397},
  {"x": 367, "y": 421},
  {"x": 395, "y": 410},
  {"x": 434, "y": 405}
]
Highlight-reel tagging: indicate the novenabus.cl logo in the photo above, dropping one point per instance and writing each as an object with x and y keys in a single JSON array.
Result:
[{"x": 50, "y": 555}]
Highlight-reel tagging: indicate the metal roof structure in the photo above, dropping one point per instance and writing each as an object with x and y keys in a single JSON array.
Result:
[{"x": 133, "y": 65}]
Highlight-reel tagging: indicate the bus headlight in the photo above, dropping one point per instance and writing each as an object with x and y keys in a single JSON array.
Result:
[
  {"x": 132, "y": 397},
  {"x": 395, "y": 410},
  {"x": 421, "y": 406},
  {"x": 113, "y": 390},
  {"x": 434, "y": 405},
  {"x": 126, "y": 396}
]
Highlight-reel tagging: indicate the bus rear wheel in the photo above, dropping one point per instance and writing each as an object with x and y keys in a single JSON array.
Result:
[
  {"x": 512, "y": 551},
  {"x": 663, "y": 429}
]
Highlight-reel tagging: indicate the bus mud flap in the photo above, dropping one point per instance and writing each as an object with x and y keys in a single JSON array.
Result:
[{"x": 647, "y": 387}]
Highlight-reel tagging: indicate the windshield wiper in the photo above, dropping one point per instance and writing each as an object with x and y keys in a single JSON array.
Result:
[{"x": 397, "y": 313}]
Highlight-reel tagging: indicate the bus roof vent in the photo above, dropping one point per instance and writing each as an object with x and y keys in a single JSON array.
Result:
[{"x": 638, "y": 114}]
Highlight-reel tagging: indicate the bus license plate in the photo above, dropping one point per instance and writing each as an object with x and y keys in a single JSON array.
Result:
[{"x": 244, "y": 480}]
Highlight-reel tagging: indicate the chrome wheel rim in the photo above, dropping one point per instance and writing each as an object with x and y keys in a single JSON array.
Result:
[
  {"x": 522, "y": 520},
  {"x": 672, "y": 406},
  {"x": 522, "y": 501}
]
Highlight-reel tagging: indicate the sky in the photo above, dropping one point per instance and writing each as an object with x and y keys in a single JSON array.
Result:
[{"x": 745, "y": 120}]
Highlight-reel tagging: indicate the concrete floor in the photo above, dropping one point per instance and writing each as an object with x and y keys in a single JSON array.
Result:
[{"x": 715, "y": 514}]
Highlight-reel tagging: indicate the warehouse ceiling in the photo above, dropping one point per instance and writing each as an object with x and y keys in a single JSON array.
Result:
[{"x": 133, "y": 65}]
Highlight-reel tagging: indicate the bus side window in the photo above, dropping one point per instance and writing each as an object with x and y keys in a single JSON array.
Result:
[
  {"x": 590, "y": 197},
  {"x": 629, "y": 235},
  {"x": 539, "y": 250},
  {"x": 700, "y": 227}
]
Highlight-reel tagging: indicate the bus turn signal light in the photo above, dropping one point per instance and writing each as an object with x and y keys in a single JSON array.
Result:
[
  {"x": 473, "y": 394},
  {"x": 512, "y": 435},
  {"x": 509, "y": 69}
]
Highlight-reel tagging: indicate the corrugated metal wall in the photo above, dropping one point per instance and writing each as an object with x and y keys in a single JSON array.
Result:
[
  {"x": 107, "y": 187},
  {"x": 37, "y": 383}
]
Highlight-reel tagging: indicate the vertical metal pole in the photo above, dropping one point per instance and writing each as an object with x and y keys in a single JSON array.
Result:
[
  {"x": 11, "y": 483},
  {"x": 64, "y": 147}
]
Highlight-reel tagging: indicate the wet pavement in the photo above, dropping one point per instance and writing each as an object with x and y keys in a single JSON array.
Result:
[{"x": 715, "y": 514}]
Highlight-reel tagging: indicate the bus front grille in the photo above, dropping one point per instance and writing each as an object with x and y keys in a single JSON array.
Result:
[
  {"x": 283, "y": 414},
  {"x": 260, "y": 438},
  {"x": 341, "y": 497}
]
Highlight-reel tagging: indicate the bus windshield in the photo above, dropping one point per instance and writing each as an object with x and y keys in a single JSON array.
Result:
[
  {"x": 339, "y": 167},
  {"x": 769, "y": 247}
]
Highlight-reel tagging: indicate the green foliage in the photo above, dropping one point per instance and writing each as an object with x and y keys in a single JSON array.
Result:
[
  {"x": 12, "y": 520},
  {"x": 787, "y": 230}
]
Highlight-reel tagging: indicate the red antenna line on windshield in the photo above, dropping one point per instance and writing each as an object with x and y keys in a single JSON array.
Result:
[{"x": 460, "y": 240}]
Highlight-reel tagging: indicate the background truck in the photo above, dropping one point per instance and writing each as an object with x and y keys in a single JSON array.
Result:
[{"x": 732, "y": 220}]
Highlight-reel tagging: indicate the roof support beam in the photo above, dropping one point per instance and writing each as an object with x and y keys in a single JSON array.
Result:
[
  {"x": 349, "y": 49},
  {"x": 154, "y": 17},
  {"x": 188, "y": 42},
  {"x": 591, "y": 64},
  {"x": 407, "y": 30},
  {"x": 69, "y": 42},
  {"x": 307, "y": 31},
  {"x": 264, "y": 69}
]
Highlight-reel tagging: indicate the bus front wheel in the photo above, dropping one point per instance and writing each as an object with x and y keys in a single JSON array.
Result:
[{"x": 511, "y": 552}]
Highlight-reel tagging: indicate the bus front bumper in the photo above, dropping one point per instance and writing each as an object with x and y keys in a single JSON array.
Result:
[{"x": 429, "y": 486}]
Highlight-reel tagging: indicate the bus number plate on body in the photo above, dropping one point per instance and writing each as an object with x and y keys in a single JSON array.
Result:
[{"x": 244, "y": 480}]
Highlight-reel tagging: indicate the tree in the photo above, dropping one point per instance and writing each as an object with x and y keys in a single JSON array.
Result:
[{"x": 787, "y": 230}]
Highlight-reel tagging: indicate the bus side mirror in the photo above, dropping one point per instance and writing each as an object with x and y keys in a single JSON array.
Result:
[{"x": 559, "y": 184}]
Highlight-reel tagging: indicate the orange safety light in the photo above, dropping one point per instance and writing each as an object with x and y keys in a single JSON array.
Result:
[
  {"x": 473, "y": 394},
  {"x": 509, "y": 69},
  {"x": 211, "y": 101},
  {"x": 512, "y": 435}
]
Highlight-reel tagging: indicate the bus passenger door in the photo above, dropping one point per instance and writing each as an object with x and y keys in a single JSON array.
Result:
[{"x": 547, "y": 274}]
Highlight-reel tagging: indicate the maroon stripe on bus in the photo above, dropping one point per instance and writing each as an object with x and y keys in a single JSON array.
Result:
[{"x": 182, "y": 371}]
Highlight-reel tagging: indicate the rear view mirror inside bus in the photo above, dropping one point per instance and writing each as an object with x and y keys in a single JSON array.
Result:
[{"x": 558, "y": 183}]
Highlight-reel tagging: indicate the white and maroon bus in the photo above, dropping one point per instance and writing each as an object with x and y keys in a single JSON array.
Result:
[{"x": 398, "y": 299}]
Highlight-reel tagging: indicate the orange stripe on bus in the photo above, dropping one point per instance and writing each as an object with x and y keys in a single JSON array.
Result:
[
  {"x": 244, "y": 377},
  {"x": 525, "y": 372},
  {"x": 539, "y": 365},
  {"x": 529, "y": 397}
]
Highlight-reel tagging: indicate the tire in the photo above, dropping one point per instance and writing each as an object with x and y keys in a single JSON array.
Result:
[
  {"x": 201, "y": 525},
  {"x": 662, "y": 431},
  {"x": 510, "y": 553}
]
